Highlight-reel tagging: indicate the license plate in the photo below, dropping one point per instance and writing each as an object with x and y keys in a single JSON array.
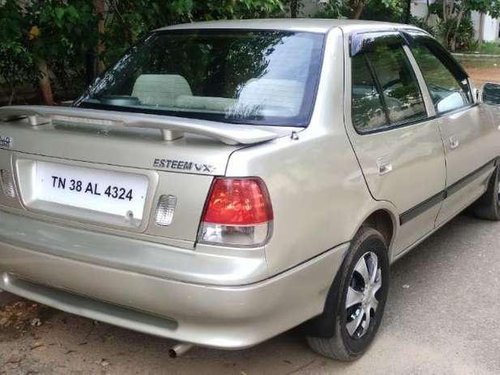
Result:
[{"x": 116, "y": 193}]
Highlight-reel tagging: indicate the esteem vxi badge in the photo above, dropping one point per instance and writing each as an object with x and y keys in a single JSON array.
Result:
[
  {"x": 183, "y": 165},
  {"x": 5, "y": 141}
]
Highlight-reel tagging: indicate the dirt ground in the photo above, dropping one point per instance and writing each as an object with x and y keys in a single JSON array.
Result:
[
  {"x": 483, "y": 75},
  {"x": 442, "y": 317},
  {"x": 487, "y": 71}
]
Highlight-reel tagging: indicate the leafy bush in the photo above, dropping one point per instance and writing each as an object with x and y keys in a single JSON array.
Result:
[
  {"x": 457, "y": 38},
  {"x": 333, "y": 9},
  {"x": 16, "y": 62},
  {"x": 383, "y": 10},
  {"x": 54, "y": 42},
  {"x": 131, "y": 19},
  {"x": 16, "y": 67},
  {"x": 490, "y": 48}
]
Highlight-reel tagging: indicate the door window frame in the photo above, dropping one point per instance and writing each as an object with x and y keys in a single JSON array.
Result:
[
  {"x": 361, "y": 40},
  {"x": 448, "y": 61},
  {"x": 355, "y": 43}
]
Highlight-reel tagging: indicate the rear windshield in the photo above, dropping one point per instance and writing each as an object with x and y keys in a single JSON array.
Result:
[{"x": 254, "y": 77}]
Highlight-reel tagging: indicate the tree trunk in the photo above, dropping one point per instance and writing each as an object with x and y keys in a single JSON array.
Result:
[
  {"x": 428, "y": 15},
  {"x": 44, "y": 83},
  {"x": 12, "y": 93},
  {"x": 100, "y": 9},
  {"x": 358, "y": 10},
  {"x": 481, "y": 29},
  {"x": 453, "y": 43},
  {"x": 448, "y": 9}
]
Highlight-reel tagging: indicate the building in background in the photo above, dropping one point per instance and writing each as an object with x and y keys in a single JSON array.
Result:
[
  {"x": 490, "y": 27},
  {"x": 485, "y": 28}
]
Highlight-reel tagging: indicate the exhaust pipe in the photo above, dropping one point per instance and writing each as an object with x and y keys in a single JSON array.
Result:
[{"x": 179, "y": 349}]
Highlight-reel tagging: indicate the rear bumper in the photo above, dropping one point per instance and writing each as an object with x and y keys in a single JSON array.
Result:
[{"x": 218, "y": 316}]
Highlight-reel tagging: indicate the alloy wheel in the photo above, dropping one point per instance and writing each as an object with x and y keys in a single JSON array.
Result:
[{"x": 362, "y": 300}]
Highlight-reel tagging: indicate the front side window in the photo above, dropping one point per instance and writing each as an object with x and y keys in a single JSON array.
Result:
[
  {"x": 385, "y": 91},
  {"x": 447, "y": 83},
  {"x": 263, "y": 77}
]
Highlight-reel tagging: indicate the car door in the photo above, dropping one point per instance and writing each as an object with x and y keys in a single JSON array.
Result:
[
  {"x": 466, "y": 127},
  {"x": 398, "y": 145}
]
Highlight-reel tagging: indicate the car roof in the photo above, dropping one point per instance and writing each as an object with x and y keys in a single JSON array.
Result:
[{"x": 291, "y": 24}]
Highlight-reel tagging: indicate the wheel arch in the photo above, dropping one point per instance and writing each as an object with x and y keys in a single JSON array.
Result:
[{"x": 384, "y": 219}]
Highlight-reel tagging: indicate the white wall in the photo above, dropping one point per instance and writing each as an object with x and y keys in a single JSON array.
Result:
[
  {"x": 419, "y": 8},
  {"x": 490, "y": 33}
]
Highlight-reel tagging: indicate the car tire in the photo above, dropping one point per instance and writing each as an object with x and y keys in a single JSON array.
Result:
[
  {"x": 488, "y": 206},
  {"x": 356, "y": 300}
]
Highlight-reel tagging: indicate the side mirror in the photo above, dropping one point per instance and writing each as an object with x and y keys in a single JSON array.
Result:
[
  {"x": 450, "y": 102},
  {"x": 491, "y": 94}
]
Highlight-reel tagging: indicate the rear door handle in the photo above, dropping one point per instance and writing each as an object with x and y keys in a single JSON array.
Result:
[
  {"x": 384, "y": 169},
  {"x": 454, "y": 143}
]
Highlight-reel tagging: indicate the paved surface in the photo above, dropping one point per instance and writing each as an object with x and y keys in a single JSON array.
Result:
[{"x": 442, "y": 317}]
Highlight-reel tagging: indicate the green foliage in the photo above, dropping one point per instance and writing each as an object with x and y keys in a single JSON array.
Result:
[
  {"x": 16, "y": 66},
  {"x": 66, "y": 30},
  {"x": 131, "y": 19},
  {"x": 490, "y": 48},
  {"x": 436, "y": 8},
  {"x": 487, "y": 48},
  {"x": 383, "y": 10},
  {"x": 491, "y": 7},
  {"x": 380, "y": 10},
  {"x": 63, "y": 33},
  {"x": 333, "y": 9},
  {"x": 11, "y": 20},
  {"x": 16, "y": 61},
  {"x": 455, "y": 28},
  {"x": 457, "y": 36}
]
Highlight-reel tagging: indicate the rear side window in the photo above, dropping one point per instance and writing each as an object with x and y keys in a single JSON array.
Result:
[
  {"x": 385, "y": 91},
  {"x": 368, "y": 111},
  {"x": 447, "y": 82}
]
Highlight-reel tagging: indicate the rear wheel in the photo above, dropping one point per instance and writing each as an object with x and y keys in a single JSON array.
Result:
[
  {"x": 357, "y": 299},
  {"x": 488, "y": 206}
]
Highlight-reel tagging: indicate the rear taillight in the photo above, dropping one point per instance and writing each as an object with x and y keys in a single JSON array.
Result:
[{"x": 238, "y": 212}]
